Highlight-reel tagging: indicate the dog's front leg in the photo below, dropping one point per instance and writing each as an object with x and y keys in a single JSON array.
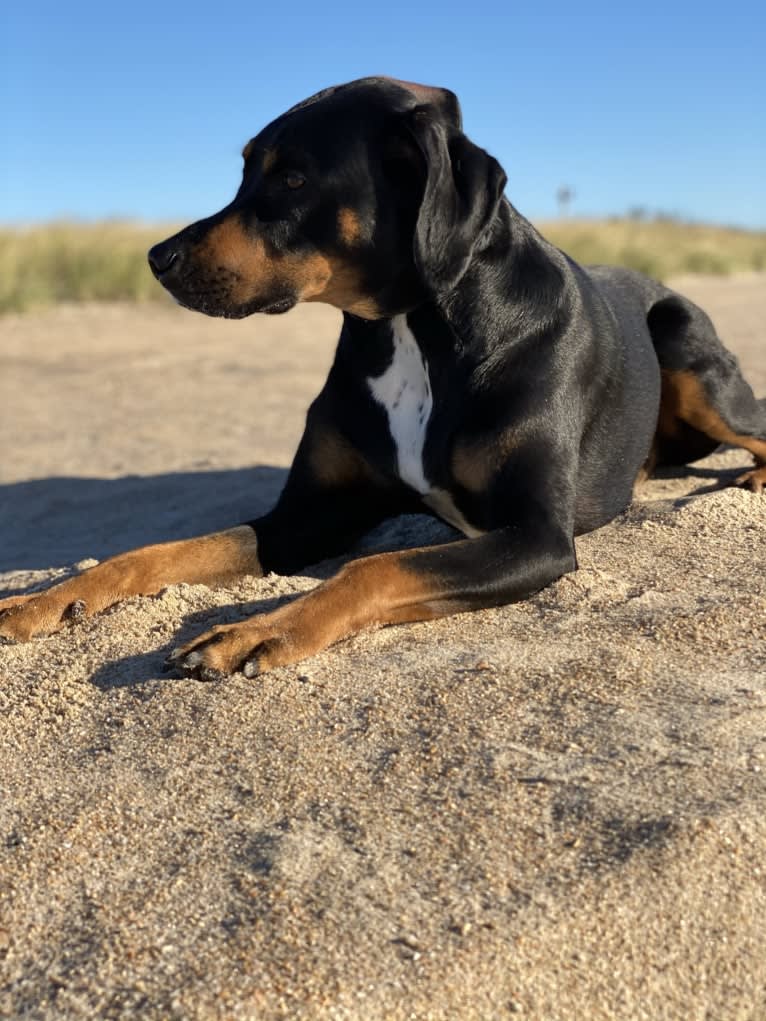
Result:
[
  {"x": 390, "y": 588},
  {"x": 312, "y": 521},
  {"x": 299, "y": 531},
  {"x": 330, "y": 498},
  {"x": 208, "y": 560}
]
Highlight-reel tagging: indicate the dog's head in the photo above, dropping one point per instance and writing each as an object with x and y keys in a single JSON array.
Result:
[{"x": 366, "y": 196}]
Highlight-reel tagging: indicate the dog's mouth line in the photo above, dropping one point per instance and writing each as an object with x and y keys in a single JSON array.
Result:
[{"x": 200, "y": 301}]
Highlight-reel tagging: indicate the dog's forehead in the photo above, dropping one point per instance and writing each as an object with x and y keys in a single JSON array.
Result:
[
  {"x": 349, "y": 107},
  {"x": 332, "y": 125},
  {"x": 354, "y": 110}
]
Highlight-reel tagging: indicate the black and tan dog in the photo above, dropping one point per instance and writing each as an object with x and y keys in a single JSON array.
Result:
[{"x": 480, "y": 375}]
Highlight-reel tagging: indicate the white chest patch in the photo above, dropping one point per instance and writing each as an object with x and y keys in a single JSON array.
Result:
[{"x": 404, "y": 390}]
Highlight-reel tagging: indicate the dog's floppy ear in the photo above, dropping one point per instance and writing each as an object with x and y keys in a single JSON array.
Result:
[{"x": 463, "y": 189}]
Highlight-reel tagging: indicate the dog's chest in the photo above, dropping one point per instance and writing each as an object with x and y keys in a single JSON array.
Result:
[{"x": 404, "y": 390}]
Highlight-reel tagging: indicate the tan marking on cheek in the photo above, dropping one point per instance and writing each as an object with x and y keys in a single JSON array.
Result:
[
  {"x": 318, "y": 277},
  {"x": 255, "y": 271},
  {"x": 229, "y": 246},
  {"x": 252, "y": 271},
  {"x": 342, "y": 288},
  {"x": 308, "y": 275},
  {"x": 249, "y": 269},
  {"x": 349, "y": 227}
]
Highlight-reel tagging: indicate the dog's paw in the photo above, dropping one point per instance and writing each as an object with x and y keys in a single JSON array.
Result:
[
  {"x": 252, "y": 647},
  {"x": 754, "y": 480},
  {"x": 39, "y": 613}
]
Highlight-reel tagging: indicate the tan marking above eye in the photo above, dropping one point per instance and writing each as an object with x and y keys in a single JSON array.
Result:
[
  {"x": 349, "y": 226},
  {"x": 248, "y": 150}
]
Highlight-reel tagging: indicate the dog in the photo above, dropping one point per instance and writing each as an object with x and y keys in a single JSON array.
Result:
[{"x": 481, "y": 376}]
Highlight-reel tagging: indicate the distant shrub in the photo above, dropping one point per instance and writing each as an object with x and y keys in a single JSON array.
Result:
[
  {"x": 639, "y": 259},
  {"x": 661, "y": 246},
  {"x": 702, "y": 261},
  {"x": 76, "y": 262}
]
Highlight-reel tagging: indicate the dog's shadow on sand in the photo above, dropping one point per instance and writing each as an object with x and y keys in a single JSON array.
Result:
[
  {"x": 712, "y": 480},
  {"x": 57, "y": 522}
]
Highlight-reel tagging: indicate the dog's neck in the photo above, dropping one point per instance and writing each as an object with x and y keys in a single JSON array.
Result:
[
  {"x": 514, "y": 291},
  {"x": 516, "y": 270}
]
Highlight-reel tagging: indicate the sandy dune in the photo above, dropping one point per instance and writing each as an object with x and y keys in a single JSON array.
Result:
[{"x": 555, "y": 810}]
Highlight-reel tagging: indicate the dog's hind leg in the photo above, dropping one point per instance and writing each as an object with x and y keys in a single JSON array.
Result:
[{"x": 705, "y": 399}]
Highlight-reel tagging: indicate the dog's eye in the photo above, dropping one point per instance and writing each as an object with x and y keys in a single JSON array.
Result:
[{"x": 294, "y": 180}]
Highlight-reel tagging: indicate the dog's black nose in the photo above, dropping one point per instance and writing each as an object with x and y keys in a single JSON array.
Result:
[{"x": 161, "y": 257}]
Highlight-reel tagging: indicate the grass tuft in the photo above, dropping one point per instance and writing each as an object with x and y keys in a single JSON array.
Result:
[
  {"x": 61, "y": 262},
  {"x": 661, "y": 248}
]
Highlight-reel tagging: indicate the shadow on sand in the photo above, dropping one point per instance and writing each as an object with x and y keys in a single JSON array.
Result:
[{"x": 56, "y": 522}]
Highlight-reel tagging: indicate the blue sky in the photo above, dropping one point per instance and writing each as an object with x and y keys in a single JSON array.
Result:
[{"x": 141, "y": 109}]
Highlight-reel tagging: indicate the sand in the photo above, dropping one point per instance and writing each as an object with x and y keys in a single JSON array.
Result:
[{"x": 554, "y": 810}]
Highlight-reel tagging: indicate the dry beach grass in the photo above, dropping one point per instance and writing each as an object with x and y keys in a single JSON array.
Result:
[
  {"x": 106, "y": 261},
  {"x": 553, "y": 810}
]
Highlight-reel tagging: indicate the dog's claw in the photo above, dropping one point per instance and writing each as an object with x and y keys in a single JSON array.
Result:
[
  {"x": 192, "y": 665},
  {"x": 171, "y": 661},
  {"x": 206, "y": 660},
  {"x": 75, "y": 610},
  {"x": 208, "y": 673},
  {"x": 754, "y": 480},
  {"x": 251, "y": 668}
]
